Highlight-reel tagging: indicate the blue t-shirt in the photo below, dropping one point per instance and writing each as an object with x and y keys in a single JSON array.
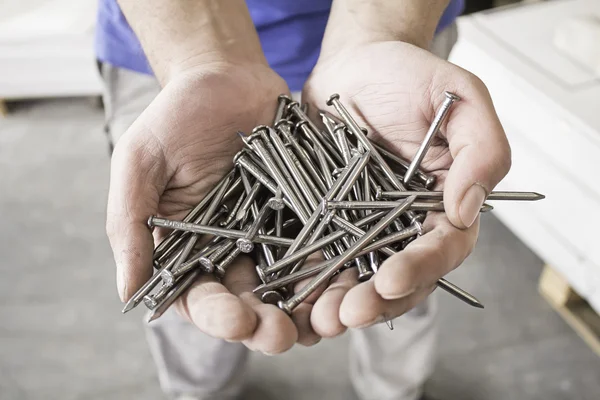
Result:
[{"x": 290, "y": 33}]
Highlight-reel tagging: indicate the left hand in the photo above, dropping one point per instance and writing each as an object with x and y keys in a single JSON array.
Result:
[
  {"x": 165, "y": 163},
  {"x": 394, "y": 89}
]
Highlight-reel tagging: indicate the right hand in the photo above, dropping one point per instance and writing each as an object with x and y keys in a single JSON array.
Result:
[
  {"x": 170, "y": 157},
  {"x": 394, "y": 89}
]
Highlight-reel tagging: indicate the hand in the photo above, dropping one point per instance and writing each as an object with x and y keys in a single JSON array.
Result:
[
  {"x": 394, "y": 89},
  {"x": 175, "y": 152}
]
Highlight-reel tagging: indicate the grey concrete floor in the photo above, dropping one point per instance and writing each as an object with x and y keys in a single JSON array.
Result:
[{"x": 62, "y": 335}]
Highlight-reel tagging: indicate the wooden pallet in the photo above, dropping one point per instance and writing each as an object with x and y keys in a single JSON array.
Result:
[
  {"x": 3, "y": 109},
  {"x": 571, "y": 307}
]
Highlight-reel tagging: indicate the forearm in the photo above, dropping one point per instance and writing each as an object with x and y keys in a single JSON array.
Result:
[
  {"x": 354, "y": 22},
  {"x": 178, "y": 34}
]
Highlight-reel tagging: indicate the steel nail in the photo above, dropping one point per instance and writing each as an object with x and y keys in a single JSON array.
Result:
[
  {"x": 315, "y": 188},
  {"x": 221, "y": 266},
  {"x": 267, "y": 134},
  {"x": 208, "y": 261},
  {"x": 181, "y": 286},
  {"x": 271, "y": 297},
  {"x": 324, "y": 167},
  {"x": 310, "y": 130},
  {"x": 297, "y": 175},
  {"x": 497, "y": 195},
  {"x": 426, "y": 180},
  {"x": 250, "y": 166},
  {"x": 245, "y": 244},
  {"x": 459, "y": 293},
  {"x": 233, "y": 213},
  {"x": 212, "y": 207},
  {"x": 248, "y": 202},
  {"x": 212, "y": 230},
  {"x": 386, "y": 205},
  {"x": 302, "y": 155},
  {"x": 339, "y": 132},
  {"x": 434, "y": 128},
  {"x": 282, "y": 102},
  {"x": 149, "y": 285},
  {"x": 151, "y": 301},
  {"x": 365, "y": 272}
]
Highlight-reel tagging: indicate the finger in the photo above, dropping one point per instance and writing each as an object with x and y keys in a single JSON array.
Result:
[
  {"x": 301, "y": 317},
  {"x": 441, "y": 249},
  {"x": 275, "y": 332},
  {"x": 325, "y": 316},
  {"x": 478, "y": 146},
  {"x": 302, "y": 313},
  {"x": 137, "y": 178},
  {"x": 363, "y": 306},
  {"x": 311, "y": 261},
  {"x": 216, "y": 311}
]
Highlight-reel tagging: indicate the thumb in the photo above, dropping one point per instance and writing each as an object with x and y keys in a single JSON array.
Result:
[
  {"x": 137, "y": 179},
  {"x": 480, "y": 152}
]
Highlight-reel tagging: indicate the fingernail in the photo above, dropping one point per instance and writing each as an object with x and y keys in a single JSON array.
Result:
[
  {"x": 395, "y": 296},
  {"x": 379, "y": 319},
  {"x": 401, "y": 285},
  {"x": 471, "y": 203},
  {"x": 121, "y": 285}
]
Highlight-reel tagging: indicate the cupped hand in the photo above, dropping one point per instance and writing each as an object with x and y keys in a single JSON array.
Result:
[
  {"x": 171, "y": 156},
  {"x": 394, "y": 89}
]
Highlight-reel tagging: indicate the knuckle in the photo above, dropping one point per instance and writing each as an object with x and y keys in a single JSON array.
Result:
[
  {"x": 473, "y": 82},
  {"x": 124, "y": 148},
  {"x": 139, "y": 146},
  {"x": 454, "y": 246},
  {"x": 500, "y": 163},
  {"x": 309, "y": 340},
  {"x": 506, "y": 160},
  {"x": 468, "y": 240},
  {"x": 181, "y": 307},
  {"x": 278, "y": 344},
  {"x": 467, "y": 250},
  {"x": 110, "y": 227}
]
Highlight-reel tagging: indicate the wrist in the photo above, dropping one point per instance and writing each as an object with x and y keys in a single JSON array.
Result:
[
  {"x": 357, "y": 22},
  {"x": 179, "y": 35},
  {"x": 336, "y": 44},
  {"x": 214, "y": 58},
  {"x": 224, "y": 41}
]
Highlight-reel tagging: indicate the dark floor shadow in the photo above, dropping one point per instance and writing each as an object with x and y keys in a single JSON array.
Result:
[
  {"x": 254, "y": 392},
  {"x": 452, "y": 388}
]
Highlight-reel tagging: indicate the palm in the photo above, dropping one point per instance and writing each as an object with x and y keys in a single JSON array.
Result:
[
  {"x": 394, "y": 100},
  {"x": 210, "y": 109}
]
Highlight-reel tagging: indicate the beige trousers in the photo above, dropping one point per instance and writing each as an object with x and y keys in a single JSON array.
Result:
[{"x": 384, "y": 364}]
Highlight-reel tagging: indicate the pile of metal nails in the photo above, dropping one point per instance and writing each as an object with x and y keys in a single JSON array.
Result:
[{"x": 296, "y": 189}]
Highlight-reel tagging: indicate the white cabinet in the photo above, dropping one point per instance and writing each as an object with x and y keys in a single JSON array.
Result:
[{"x": 549, "y": 104}]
